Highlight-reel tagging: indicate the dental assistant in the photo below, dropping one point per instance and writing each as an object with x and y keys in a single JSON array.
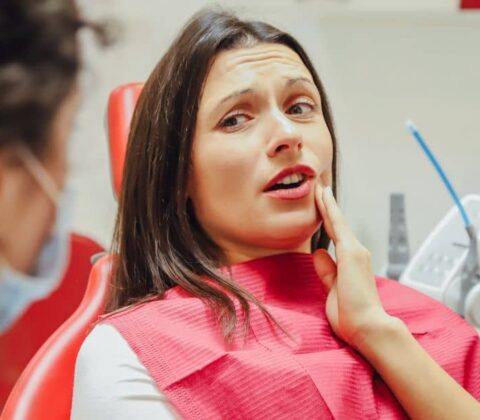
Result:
[{"x": 39, "y": 66}]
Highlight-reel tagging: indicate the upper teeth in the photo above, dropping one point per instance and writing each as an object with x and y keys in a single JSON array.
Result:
[{"x": 291, "y": 179}]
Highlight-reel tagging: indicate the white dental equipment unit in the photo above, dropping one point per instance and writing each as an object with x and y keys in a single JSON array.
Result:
[{"x": 447, "y": 265}]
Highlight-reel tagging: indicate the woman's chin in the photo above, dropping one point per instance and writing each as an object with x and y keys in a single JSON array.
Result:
[{"x": 290, "y": 236}]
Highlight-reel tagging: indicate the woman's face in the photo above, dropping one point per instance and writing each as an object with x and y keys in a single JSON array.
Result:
[
  {"x": 28, "y": 213},
  {"x": 261, "y": 144}
]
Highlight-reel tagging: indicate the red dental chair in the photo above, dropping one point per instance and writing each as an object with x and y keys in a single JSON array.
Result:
[
  {"x": 20, "y": 341},
  {"x": 121, "y": 105},
  {"x": 44, "y": 390}
]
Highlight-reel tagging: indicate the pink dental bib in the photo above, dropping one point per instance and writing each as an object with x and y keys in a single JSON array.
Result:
[{"x": 270, "y": 376}]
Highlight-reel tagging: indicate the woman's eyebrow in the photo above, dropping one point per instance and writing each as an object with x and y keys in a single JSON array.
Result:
[
  {"x": 241, "y": 92},
  {"x": 289, "y": 82},
  {"x": 235, "y": 94},
  {"x": 294, "y": 80}
]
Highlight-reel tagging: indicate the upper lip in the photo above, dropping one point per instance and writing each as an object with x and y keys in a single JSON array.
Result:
[{"x": 297, "y": 169}]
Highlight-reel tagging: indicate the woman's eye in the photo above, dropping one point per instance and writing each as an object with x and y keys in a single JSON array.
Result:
[
  {"x": 300, "y": 108},
  {"x": 233, "y": 120}
]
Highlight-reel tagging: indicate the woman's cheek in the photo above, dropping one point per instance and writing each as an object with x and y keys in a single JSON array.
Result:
[{"x": 220, "y": 181}]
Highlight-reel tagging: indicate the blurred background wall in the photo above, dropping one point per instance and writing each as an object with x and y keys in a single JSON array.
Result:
[{"x": 381, "y": 61}]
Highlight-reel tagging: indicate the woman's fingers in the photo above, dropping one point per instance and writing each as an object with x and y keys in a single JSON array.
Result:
[
  {"x": 341, "y": 234},
  {"x": 323, "y": 211},
  {"x": 325, "y": 267},
  {"x": 347, "y": 246},
  {"x": 334, "y": 215},
  {"x": 352, "y": 293}
]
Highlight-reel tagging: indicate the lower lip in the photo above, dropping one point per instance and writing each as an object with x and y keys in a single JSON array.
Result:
[{"x": 293, "y": 193}]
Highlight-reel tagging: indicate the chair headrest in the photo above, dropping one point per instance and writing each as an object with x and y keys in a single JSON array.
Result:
[{"x": 121, "y": 104}]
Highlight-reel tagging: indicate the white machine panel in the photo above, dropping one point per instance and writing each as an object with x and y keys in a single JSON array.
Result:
[{"x": 436, "y": 267}]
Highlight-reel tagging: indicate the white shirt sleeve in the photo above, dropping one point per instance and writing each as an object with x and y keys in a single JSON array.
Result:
[{"x": 111, "y": 382}]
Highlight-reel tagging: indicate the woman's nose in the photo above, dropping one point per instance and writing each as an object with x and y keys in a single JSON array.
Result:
[{"x": 286, "y": 138}]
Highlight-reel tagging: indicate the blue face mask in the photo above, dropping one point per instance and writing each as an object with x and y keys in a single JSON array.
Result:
[{"x": 17, "y": 290}]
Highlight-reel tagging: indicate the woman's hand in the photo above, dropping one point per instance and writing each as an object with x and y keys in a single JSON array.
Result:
[
  {"x": 356, "y": 315},
  {"x": 353, "y": 306}
]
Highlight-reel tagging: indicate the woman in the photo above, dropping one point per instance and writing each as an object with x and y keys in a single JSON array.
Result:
[
  {"x": 227, "y": 191},
  {"x": 40, "y": 61},
  {"x": 39, "y": 66}
]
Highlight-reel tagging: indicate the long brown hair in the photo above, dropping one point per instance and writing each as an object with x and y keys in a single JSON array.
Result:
[{"x": 158, "y": 242}]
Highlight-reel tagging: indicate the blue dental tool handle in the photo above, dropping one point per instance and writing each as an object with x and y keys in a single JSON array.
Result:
[{"x": 413, "y": 129}]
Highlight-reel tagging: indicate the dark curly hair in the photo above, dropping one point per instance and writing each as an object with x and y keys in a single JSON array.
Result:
[{"x": 39, "y": 64}]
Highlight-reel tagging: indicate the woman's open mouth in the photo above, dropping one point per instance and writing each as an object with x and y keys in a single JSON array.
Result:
[{"x": 291, "y": 184}]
